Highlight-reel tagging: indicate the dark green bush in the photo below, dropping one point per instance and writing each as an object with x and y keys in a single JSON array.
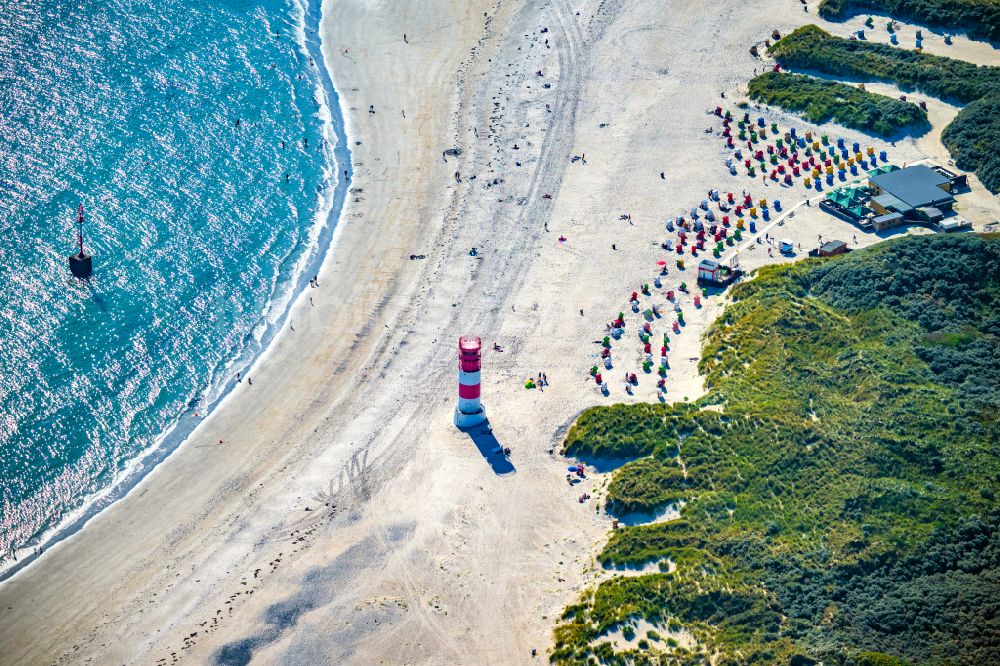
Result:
[
  {"x": 979, "y": 18},
  {"x": 835, "y": 509},
  {"x": 810, "y": 47},
  {"x": 821, "y": 101},
  {"x": 973, "y": 138},
  {"x": 646, "y": 485}
]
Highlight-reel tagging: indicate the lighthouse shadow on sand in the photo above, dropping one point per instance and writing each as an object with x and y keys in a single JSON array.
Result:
[{"x": 487, "y": 443}]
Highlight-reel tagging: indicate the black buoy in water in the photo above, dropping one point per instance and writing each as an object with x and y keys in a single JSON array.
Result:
[{"x": 81, "y": 264}]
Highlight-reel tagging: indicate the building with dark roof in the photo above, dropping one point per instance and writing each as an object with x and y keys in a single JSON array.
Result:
[
  {"x": 905, "y": 190},
  {"x": 887, "y": 202},
  {"x": 832, "y": 248}
]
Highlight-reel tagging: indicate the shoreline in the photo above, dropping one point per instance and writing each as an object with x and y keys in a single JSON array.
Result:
[
  {"x": 345, "y": 519},
  {"x": 340, "y": 169},
  {"x": 211, "y": 510}
]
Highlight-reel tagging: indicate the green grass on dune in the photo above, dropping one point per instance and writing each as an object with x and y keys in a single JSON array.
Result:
[
  {"x": 973, "y": 139},
  {"x": 821, "y": 101},
  {"x": 842, "y": 506},
  {"x": 810, "y": 47},
  {"x": 646, "y": 485},
  {"x": 979, "y": 18}
]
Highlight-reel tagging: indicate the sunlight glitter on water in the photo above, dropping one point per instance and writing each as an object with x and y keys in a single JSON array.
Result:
[{"x": 175, "y": 124}]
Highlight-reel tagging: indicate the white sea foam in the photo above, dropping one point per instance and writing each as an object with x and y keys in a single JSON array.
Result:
[{"x": 65, "y": 489}]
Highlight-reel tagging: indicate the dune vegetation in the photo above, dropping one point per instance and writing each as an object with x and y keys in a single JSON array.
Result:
[
  {"x": 978, "y": 18},
  {"x": 839, "y": 477},
  {"x": 812, "y": 48},
  {"x": 820, "y": 101},
  {"x": 973, "y": 138}
]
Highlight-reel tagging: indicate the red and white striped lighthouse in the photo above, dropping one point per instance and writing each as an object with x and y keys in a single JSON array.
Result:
[{"x": 470, "y": 410}]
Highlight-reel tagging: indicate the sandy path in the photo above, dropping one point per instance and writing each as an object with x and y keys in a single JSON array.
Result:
[{"x": 343, "y": 519}]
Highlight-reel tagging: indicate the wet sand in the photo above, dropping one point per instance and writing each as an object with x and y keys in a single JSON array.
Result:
[{"x": 343, "y": 519}]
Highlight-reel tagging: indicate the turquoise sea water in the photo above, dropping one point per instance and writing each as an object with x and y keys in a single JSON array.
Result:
[{"x": 166, "y": 120}]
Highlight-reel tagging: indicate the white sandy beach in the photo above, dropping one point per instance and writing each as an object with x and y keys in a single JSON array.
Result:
[{"x": 342, "y": 518}]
